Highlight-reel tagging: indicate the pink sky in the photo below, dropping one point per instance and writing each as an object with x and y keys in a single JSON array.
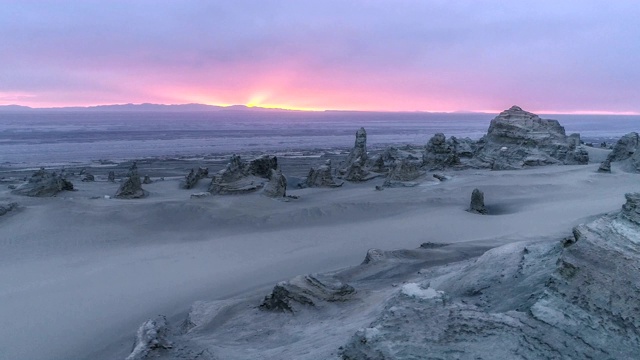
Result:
[{"x": 576, "y": 57}]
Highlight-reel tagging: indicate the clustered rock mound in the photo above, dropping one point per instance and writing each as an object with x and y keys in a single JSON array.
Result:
[
  {"x": 625, "y": 152},
  {"x": 517, "y": 138},
  {"x": 6, "y": 207},
  {"x": 191, "y": 180},
  {"x": 356, "y": 168},
  {"x": 132, "y": 187},
  {"x": 44, "y": 184},
  {"x": 307, "y": 290},
  {"x": 574, "y": 299},
  {"x": 322, "y": 176},
  {"x": 277, "y": 185},
  {"x": 241, "y": 177}
]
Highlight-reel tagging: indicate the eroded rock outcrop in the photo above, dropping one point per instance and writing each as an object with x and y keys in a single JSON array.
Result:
[
  {"x": 131, "y": 188},
  {"x": 193, "y": 177},
  {"x": 605, "y": 166},
  {"x": 151, "y": 336},
  {"x": 111, "y": 177},
  {"x": 147, "y": 180},
  {"x": 517, "y": 138},
  {"x": 307, "y": 290},
  {"x": 277, "y": 185},
  {"x": 322, "y": 176},
  {"x": 88, "y": 178},
  {"x": 6, "y": 207},
  {"x": 355, "y": 168},
  {"x": 241, "y": 177},
  {"x": 403, "y": 173},
  {"x": 571, "y": 299},
  {"x": 625, "y": 147},
  {"x": 439, "y": 154},
  {"x": 477, "y": 202},
  {"x": 44, "y": 184}
]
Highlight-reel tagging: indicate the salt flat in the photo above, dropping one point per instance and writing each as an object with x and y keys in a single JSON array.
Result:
[{"x": 81, "y": 272}]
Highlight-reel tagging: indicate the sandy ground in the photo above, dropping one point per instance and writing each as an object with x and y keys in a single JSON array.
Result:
[{"x": 80, "y": 272}]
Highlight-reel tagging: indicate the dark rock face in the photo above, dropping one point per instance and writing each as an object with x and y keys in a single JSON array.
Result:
[
  {"x": 439, "y": 153},
  {"x": 308, "y": 290},
  {"x": 6, "y": 207},
  {"x": 631, "y": 209},
  {"x": 402, "y": 174},
  {"x": 605, "y": 166},
  {"x": 147, "y": 180},
  {"x": 277, "y": 185},
  {"x": 44, "y": 184},
  {"x": 193, "y": 177},
  {"x": 625, "y": 147},
  {"x": 88, "y": 178},
  {"x": 477, "y": 202},
  {"x": 355, "y": 167},
  {"x": 153, "y": 335},
  {"x": 111, "y": 177},
  {"x": 517, "y": 138},
  {"x": 322, "y": 176},
  {"x": 241, "y": 177},
  {"x": 132, "y": 187}
]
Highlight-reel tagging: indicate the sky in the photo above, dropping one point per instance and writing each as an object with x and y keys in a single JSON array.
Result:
[{"x": 559, "y": 56}]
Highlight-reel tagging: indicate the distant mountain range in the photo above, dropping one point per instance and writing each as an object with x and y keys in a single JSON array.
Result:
[{"x": 146, "y": 107}]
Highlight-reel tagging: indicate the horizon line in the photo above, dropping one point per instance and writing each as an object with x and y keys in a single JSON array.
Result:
[{"x": 302, "y": 109}]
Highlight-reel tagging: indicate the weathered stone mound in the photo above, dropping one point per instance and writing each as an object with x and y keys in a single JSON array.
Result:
[
  {"x": 477, "y": 202},
  {"x": 439, "y": 153},
  {"x": 111, "y": 177},
  {"x": 44, "y": 184},
  {"x": 6, "y": 207},
  {"x": 151, "y": 337},
  {"x": 243, "y": 177},
  {"x": 193, "y": 177},
  {"x": 277, "y": 185},
  {"x": 355, "y": 168},
  {"x": 625, "y": 147},
  {"x": 132, "y": 187},
  {"x": 307, "y": 290},
  {"x": 572, "y": 299},
  {"x": 88, "y": 178},
  {"x": 322, "y": 176},
  {"x": 517, "y": 138},
  {"x": 403, "y": 173}
]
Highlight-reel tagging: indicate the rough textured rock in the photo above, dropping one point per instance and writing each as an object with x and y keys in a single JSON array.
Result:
[
  {"x": 355, "y": 167},
  {"x": 477, "y": 202},
  {"x": 439, "y": 154},
  {"x": 44, "y": 184},
  {"x": 111, "y": 177},
  {"x": 625, "y": 147},
  {"x": 132, "y": 187},
  {"x": 322, "y": 176},
  {"x": 200, "y": 195},
  {"x": 463, "y": 148},
  {"x": 193, "y": 177},
  {"x": 241, "y": 177},
  {"x": 605, "y": 166},
  {"x": 277, "y": 185},
  {"x": 402, "y": 174},
  {"x": 88, "y": 178},
  {"x": 517, "y": 138},
  {"x": 308, "y": 290},
  {"x": 152, "y": 336},
  {"x": 6, "y": 207},
  {"x": 575, "y": 299},
  {"x": 147, "y": 180}
]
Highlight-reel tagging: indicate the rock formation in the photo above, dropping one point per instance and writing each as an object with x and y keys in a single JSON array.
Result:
[
  {"x": 147, "y": 180},
  {"x": 152, "y": 335},
  {"x": 111, "y": 177},
  {"x": 43, "y": 184},
  {"x": 241, "y": 177},
  {"x": 277, "y": 185},
  {"x": 88, "y": 178},
  {"x": 571, "y": 299},
  {"x": 477, "y": 202},
  {"x": 402, "y": 173},
  {"x": 308, "y": 290},
  {"x": 517, "y": 138},
  {"x": 624, "y": 148},
  {"x": 193, "y": 177},
  {"x": 605, "y": 166},
  {"x": 6, "y": 207},
  {"x": 322, "y": 176},
  {"x": 355, "y": 167},
  {"x": 132, "y": 187},
  {"x": 439, "y": 154}
]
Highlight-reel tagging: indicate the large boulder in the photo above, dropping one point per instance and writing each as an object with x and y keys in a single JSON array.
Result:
[
  {"x": 6, "y": 207},
  {"x": 625, "y": 147},
  {"x": 355, "y": 167},
  {"x": 193, "y": 177},
  {"x": 243, "y": 177},
  {"x": 44, "y": 184},
  {"x": 277, "y": 185},
  {"x": 517, "y": 138},
  {"x": 131, "y": 188},
  {"x": 152, "y": 336},
  {"x": 322, "y": 176},
  {"x": 477, "y": 202}
]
